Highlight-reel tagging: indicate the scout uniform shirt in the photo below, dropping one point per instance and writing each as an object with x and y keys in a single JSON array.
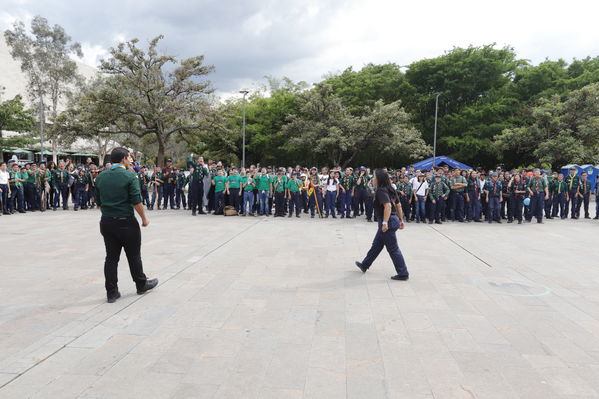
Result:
[
  {"x": 518, "y": 187},
  {"x": 572, "y": 182},
  {"x": 219, "y": 183},
  {"x": 293, "y": 185},
  {"x": 117, "y": 191},
  {"x": 347, "y": 182},
  {"x": 31, "y": 176},
  {"x": 81, "y": 180},
  {"x": 199, "y": 171},
  {"x": 406, "y": 189},
  {"x": 457, "y": 180},
  {"x": 143, "y": 181},
  {"x": 473, "y": 188},
  {"x": 438, "y": 190},
  {"x": 234, "y": 181},
  {"x": 60, "y": 177},
  {"x": 14, "y": 176},
  {"x": 280, "y": 184},
  {"x": 537, "y": 185},
  {"x": 182, "y": 180},
  {"x": 585, "y": 187},
  {"x": 559, "y": 186},
  {"x": 493, "y": 187}
]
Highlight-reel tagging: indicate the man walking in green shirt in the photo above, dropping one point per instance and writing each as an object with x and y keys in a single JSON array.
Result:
[{"x": 118, "y": 194}]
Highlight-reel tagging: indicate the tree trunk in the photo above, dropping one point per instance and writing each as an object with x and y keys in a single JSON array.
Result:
[{"x": 160, "y": 160}]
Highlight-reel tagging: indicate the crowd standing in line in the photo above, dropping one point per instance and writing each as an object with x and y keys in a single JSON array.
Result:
[{"x": 435, "y": 195}]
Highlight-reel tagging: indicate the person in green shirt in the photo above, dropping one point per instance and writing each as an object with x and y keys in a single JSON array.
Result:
[
  {"x": 234, "y": 189},
  {"x": 437, "y": 193},
  {"x": 180, "y": 182},
  {"x": 29, "y": 187},
  {"x": 156, "y": 182},
  {"x": 144, "y": 180},
  {"x": 293, "y": 188},
  {"x": 117, "y": 196},
  {"x": 559, "y": 196},
  {"x": 457, "y": 198},
  {"x": 264, "y": 186},
  {"x": 220, "y": 184},
  {"x": 15, "y": 181},
  {"x": 539, "y": 193},
  {"x": 584, "y": 195},
  {"x": 198, "y": 172},
  {"x": 248, "y": 184},
  {"x": 572, "y": 182},
  {"x": 279, "y": 182},
  {"x": 347, "y": 184},
  {"x": 80, "y": 190},
  {"x": 60, "y": 181}
]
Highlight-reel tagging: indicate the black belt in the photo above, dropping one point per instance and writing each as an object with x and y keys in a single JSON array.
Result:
[{"x": 117, "y": 218}]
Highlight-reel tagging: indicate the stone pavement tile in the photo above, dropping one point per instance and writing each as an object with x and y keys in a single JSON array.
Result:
[
  {"x": 482, "y": 330},
  {"x": 325, "y": 384},
  {"x": 566, "y": 350},
  {"x": 276, "y": 393},
  {"x": 330, "y": 323},
  {"x": 404, "y": 377},
  {"x": 66, "y": 386},
  {"x": 210, "y": 370},
  {"x": 365, "y": 379},
  {"x": 289, "y": 367},
  {"x": 99, "y": 360},
  {"x": 328, "y": 353},
  {"x": 459, "y": 340},
  {"x": 6, "y": 377},
  {"x": 528, "y": 383},
  {"x": 566, "y": 381},
  {"x": 486, "y": 384},
  {"x": 194, "y": 391}
]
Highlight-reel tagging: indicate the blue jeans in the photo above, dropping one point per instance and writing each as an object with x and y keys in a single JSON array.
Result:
[
  {"x": 347, "y": 204},
  {"x": 219, "y": 202},
  {"x": 421, "y": 207},
  {"x": 61, "y": 192},
  {"x": 387, "y": 240},
  {"x": 263, "y": 201},
  {"x": 248, "y": 202},
  {"x": 537, "y": 205},
  {"x": 474, "y": 208},
  {"x": 330, "y": 198}
]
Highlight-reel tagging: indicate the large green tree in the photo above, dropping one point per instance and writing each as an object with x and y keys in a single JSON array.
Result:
[
  {"x": 324, "y": 127},
  {"x": 152, "y": 95},
  {"x": 561, "y": 131},
  {"x": 45, "y": 57},
  {"x": 15, "y": 117}
]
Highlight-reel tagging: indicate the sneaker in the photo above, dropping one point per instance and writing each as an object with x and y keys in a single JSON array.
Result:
[{"x": 400, "y": 278}]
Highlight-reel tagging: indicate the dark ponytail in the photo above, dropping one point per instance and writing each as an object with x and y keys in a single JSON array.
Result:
[{"x": 383, "y": 182}]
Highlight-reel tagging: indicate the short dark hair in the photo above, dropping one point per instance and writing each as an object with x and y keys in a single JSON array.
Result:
[{"x": 118, "y": 154}]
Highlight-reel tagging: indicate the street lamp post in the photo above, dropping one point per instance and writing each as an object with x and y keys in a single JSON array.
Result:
[
  {"x": 244, "y": 92},
  {"x": 435, "y": 133}
]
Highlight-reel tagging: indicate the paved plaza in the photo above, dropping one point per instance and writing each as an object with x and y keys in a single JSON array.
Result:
[{"x": 275, "y": 308}]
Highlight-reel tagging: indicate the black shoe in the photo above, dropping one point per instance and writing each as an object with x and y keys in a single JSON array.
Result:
[
  {"x": 342, "y": 216},
  {"x": 519, "y": 221},
  {"x": 478, "y": 221},
  {"x": 361, "y": 267},
  {"x": 430, "y": 222},
  {"x": 587, "y": 217},
  {"x": 312, "y": 216},
  {"x": 297, "y": 216},
  {"x": 148, "y": 286},
  {"x": 113, "y": 297},
  {"x": 490, "y": 221},
  {"x": 369, "y": 220},
  {"x": 22, "y": 211},
  {"x": 76, "y": 209},
  {"x": 510, "y": 221},
  {"x": 400, "y": 278},
  {"x": 438, "y": 222},
  {"x": 334, "y": 217},
  {"x": 596, "y": 217},
  {"x": 498, "y": 221},
  {"x": 193, "y": 213},
  {"x": 289, "y": 215},
  {"x": 201, "y": 213}
]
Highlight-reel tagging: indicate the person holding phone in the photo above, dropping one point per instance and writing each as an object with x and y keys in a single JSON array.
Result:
[{"x": 389, "y": 215}]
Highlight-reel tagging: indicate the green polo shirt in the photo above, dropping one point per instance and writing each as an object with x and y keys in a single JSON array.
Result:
[
  {"x": 263, "y": 182},
  {"x": 246, "y": 186},
  {"x": 117, "y": 191},
  {"x": 219, "y": 183},
  {"x": 280, "y": 187},
  {"x": 294, "y": 185},
  {"x": 30, "y": 176},
  {"x": 234, "y": 181}
]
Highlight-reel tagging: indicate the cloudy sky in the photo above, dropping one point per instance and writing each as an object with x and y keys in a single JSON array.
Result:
[{"x": 306, "y": 39}]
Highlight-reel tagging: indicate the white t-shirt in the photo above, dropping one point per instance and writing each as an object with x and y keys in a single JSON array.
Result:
[
  {"x": 332, "y": 184},
  {"x": 4, "y": 177},
  {"x": 423, "y": 187}
]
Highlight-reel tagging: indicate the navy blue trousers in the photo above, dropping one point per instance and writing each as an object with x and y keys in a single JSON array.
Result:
[{"x": 387, "y": 240}]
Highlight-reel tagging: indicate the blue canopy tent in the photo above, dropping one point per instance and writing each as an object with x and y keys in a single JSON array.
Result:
[{"x": 427, "y": 164}]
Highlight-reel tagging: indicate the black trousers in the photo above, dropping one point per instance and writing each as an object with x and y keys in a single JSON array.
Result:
[
  {"x": 196, "y": 196},
  {"x": 122, "y": 233}
]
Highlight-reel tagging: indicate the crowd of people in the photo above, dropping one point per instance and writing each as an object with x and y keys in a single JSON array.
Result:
[{"x": 432, "y": 196}]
